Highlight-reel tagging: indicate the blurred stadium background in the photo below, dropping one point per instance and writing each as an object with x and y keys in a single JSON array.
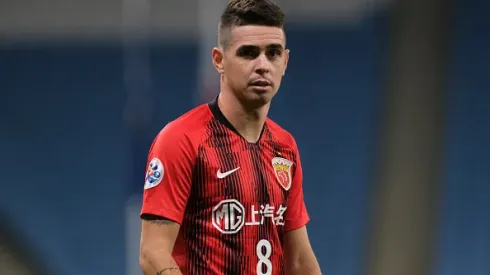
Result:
[{"x": 389, "y": 101}]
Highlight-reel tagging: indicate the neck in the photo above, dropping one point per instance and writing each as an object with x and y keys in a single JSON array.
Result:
[{"x": 247, "y": 122}]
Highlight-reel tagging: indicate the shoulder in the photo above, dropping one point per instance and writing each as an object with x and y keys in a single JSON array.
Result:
[
  {"x": 281, "y": 136},
  {"x": 187, "y": 129}
]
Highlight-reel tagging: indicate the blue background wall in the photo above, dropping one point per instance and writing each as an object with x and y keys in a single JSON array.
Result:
[{"x": 464, "y": 244}]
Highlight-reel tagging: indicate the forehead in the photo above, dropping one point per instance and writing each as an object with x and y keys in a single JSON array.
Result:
[{"x": 257, "y": 36}]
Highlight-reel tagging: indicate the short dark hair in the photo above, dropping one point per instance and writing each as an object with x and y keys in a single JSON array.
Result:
[{"x": 248, "y": 12}]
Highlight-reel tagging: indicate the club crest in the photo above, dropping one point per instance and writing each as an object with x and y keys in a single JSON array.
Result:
[{"x": 282, "y": 170}]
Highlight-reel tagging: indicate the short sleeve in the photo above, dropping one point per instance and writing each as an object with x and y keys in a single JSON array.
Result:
[
  {"x": 168, "y": 176},
  {"x": 296, "y": 215}
]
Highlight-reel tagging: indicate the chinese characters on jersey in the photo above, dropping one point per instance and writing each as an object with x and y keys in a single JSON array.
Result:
[{"x": 229, "y": 216}]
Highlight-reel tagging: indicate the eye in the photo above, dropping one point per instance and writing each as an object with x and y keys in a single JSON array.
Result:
[
  {"x": 248, "y": 52},
  {"x": 274, "y": 53}
]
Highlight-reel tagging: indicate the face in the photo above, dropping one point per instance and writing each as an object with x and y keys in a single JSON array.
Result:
[{"x": 254, "y": 62}]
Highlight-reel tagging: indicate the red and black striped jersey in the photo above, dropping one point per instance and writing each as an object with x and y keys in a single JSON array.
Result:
[{"x": 233, "y": 199}]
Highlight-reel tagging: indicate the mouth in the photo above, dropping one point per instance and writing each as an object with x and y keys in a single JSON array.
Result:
[{"x": 260, "y": 83}]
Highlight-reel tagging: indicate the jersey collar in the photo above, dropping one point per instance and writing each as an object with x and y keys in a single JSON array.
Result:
[{"x": 213, "y": 106}]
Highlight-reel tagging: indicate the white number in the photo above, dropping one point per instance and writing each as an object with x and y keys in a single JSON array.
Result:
[{"x": 264, "y": 257}]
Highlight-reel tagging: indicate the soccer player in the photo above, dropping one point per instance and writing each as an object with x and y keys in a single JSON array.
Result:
[{"x": 223, "y": 191}]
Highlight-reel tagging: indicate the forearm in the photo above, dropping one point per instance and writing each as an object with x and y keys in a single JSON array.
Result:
[
  {"x": 307, "y": 264},
  {"x": 161, "y": 264},
  {"x": 303, "y": 270}
]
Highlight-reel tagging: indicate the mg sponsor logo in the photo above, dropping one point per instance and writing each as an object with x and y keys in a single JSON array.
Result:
[{"x": 229, "y": 216}]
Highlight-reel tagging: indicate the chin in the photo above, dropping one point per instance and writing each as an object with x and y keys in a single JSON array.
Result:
[
  {"x": 260, "y": 96},
  {"x": 262, "y": 91}
]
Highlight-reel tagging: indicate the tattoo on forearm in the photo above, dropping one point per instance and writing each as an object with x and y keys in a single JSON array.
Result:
[{"x": 161, "y": 272}]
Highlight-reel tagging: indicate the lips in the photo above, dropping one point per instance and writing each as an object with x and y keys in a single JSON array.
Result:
[{"x": 260, "y": 83}]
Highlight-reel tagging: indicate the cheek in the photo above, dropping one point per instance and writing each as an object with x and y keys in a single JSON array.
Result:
[
  {"x": 278, "y": 71},
  {"x": 238, "y": 73}
]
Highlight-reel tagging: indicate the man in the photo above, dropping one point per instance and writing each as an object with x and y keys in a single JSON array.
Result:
[{"x": 223, "y": 191}]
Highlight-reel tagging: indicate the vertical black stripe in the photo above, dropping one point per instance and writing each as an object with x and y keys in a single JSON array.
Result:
[
  {"x": 262, "y": 161},
  {"x": 194, "y": 230},
  {"x": 257, "y": 186},
  {"x": 223, "y": 143},
  {"x": 194, "y": 234},
  {"x": 276, "y": 149},
  {"x": 218, "y": 142},
  {"x": 279, "y": 151}
]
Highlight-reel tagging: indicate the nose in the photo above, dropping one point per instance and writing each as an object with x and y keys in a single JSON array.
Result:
[{"x": 262, "y": 66}]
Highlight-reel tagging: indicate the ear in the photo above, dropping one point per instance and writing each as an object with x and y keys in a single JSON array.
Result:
[
  {"x": 286, "y": 60},
  {"x": 218, "y": 55}
]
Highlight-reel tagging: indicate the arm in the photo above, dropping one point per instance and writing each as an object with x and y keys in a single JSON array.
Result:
[
  {"x": 157, "y": 241},
  {"x": 298, "y": 253},
  {"x": 166, "y": 191}
]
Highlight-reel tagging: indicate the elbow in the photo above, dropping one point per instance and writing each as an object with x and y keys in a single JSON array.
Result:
[
  {"x": 145, "y": 261},
  {"x": 148, "y": 258},
  {"x": 151, "y": 258},
  {"x": 293, "y": 268}
]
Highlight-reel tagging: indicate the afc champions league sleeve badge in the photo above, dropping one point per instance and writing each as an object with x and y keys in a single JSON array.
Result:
[
  {"x": 154, "y": 173},
  {"x": 282, "y": 170}
]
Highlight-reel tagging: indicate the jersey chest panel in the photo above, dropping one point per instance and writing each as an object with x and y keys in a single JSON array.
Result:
[
  {"x": 244, "y": 174},
  {"x": 236, "y": 185}
]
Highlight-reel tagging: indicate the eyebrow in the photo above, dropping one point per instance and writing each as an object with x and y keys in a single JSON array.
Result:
[
  {"x": 275, "y": 46},
  {"x": 269, "y": 46}
]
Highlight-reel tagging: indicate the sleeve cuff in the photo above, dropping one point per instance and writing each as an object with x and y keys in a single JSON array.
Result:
[{"x": 173, "y": 215}]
